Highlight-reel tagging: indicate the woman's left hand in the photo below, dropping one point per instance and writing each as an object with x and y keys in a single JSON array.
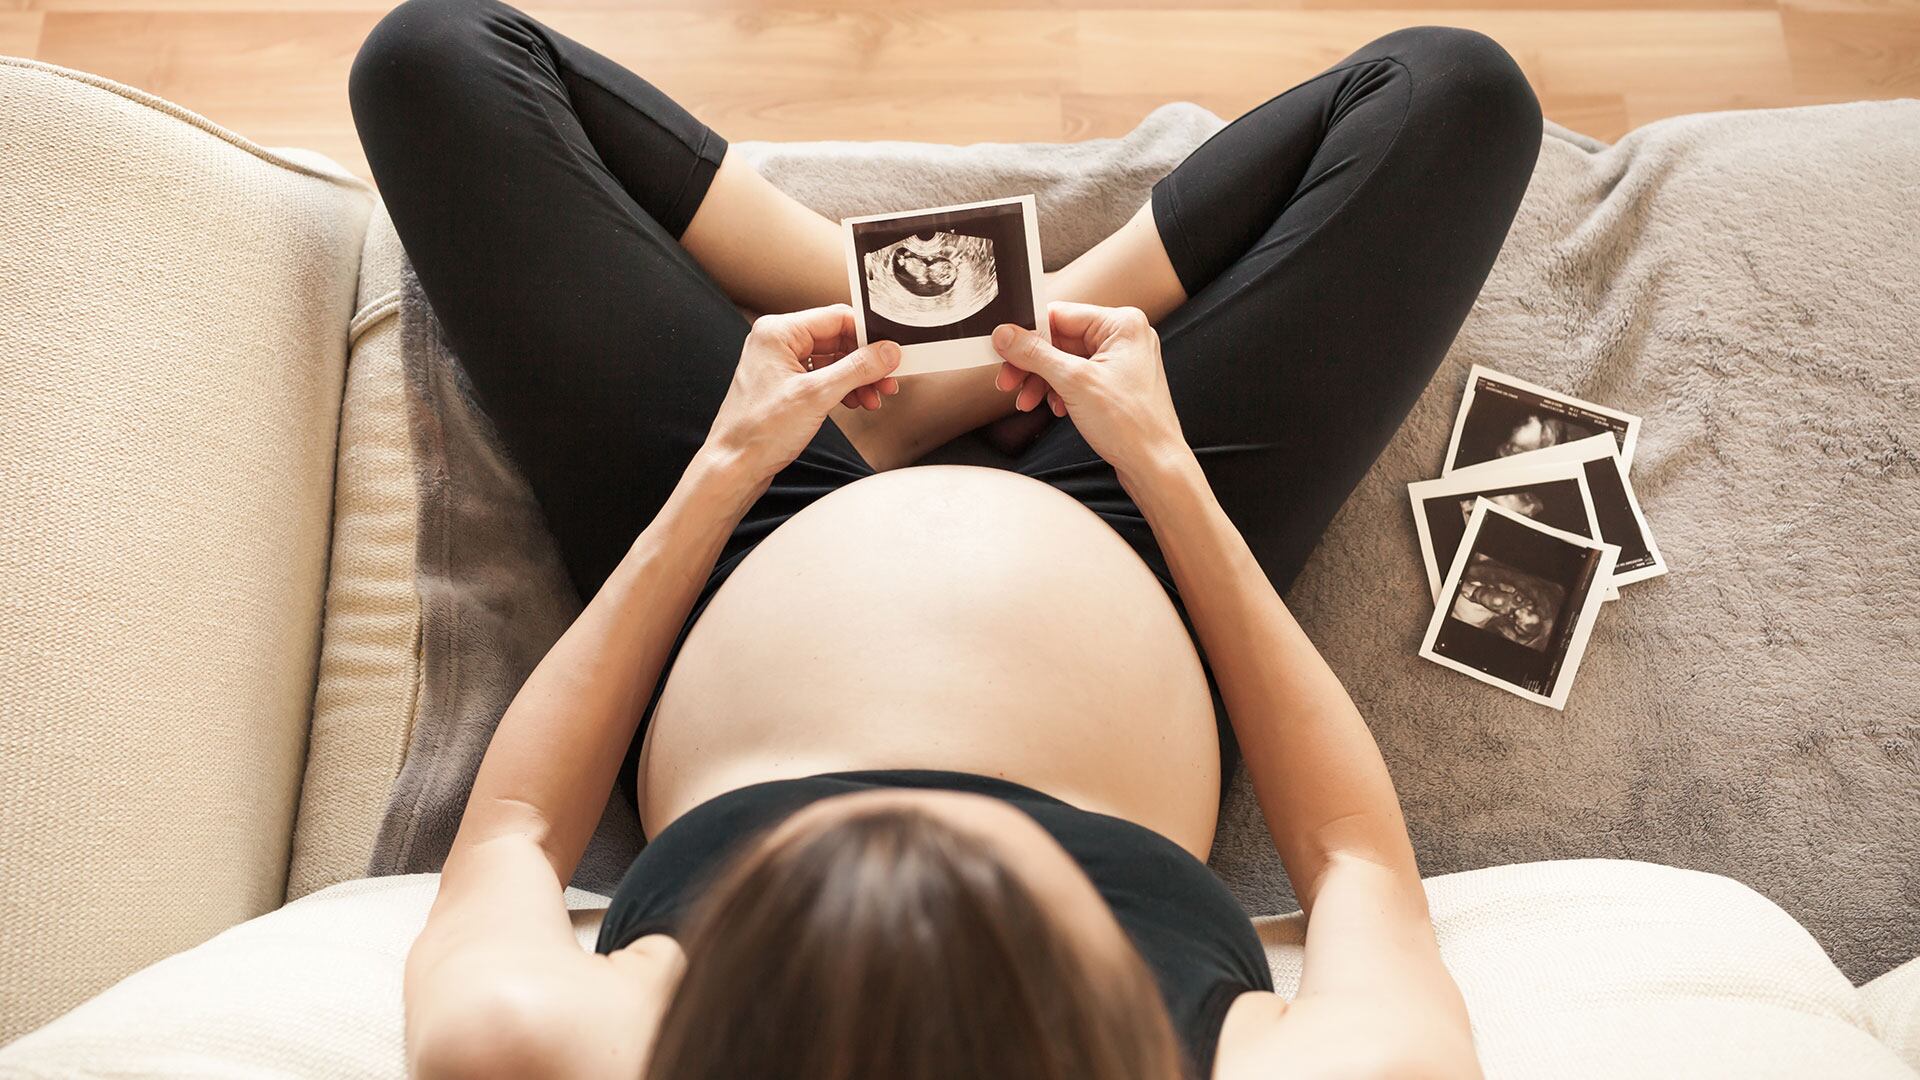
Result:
[{"x": 793, "y": 370}]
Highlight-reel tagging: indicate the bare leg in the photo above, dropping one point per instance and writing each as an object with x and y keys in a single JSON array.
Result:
[
  {"x": 767, "y": 250},
  {"x": 744, "y": 219},
  {"x": 1129, "y": 268}
]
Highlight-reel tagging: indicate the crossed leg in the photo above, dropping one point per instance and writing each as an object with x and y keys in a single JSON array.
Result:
[
  {"x": 584, "y": 242},
  {"x": 587, "y": 245}
]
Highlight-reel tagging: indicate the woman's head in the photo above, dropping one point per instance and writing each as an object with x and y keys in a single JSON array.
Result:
[{"x": 912, "y": 934}]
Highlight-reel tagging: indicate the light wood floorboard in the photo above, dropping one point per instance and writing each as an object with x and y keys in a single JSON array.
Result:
[{"x": 1001, "y": 70}]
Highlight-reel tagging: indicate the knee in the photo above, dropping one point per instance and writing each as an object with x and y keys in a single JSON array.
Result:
[
  {"x": 1460, "y": 62},
  {"x": 1468, "y": 82},
  {"x": 415, "y": 46}
]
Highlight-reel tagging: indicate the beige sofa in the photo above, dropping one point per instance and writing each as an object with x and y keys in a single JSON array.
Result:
[{"x": 209, "y": 654}]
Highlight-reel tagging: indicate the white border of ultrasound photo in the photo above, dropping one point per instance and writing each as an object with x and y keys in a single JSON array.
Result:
[
  {"x": 1493, "y": 476},
  {"x": 1576, "y": 644},
  {"x": 1627, "y": 443},
  {"x": 926, "y": 356},
  {"x": 1592, "y": 448}
]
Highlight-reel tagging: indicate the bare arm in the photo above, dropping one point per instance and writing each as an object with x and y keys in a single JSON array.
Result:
[
  {"x": 553, "y": 758},
  {"x": 1327, "y": 799},
  {"x": 551, "y": 763},
  {"x": 1323, "y": 789},
  {"x": 1322, "y": 785},
  {"x": 496, "y": 971},
  {"x": 496, "y": 984}
]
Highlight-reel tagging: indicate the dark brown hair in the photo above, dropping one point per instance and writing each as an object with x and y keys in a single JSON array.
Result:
[{"x": 891, "y": 944}]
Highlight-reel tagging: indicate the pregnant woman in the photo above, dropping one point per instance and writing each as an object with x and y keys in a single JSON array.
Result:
[{"x": 929, "y": 759}]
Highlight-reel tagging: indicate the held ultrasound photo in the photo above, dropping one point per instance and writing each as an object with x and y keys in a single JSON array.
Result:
[{"x": 944, "y": 275}]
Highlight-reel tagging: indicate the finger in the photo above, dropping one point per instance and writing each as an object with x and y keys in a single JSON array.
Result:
[
  {"x": 809, "y": 332},
  {"x": 1008, "y": 377},
  {"x": 1027, "y": 351},
  {"x": 1056, "y": 403},
  {"x": 858, "y": 368},
  {"x": 1086, "y": 328},
  {"x": 1032, "y": 392},
  {"x": 1069, "y": 326},
  {"x": 850, "y": 401},
  {"x": 889, "y": 386}
]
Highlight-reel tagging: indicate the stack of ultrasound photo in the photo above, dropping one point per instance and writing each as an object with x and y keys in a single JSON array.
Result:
[{"x": 1532, "y": 525}]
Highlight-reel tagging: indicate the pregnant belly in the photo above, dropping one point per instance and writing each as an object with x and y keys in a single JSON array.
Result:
[{"x": 943, "y": 617}]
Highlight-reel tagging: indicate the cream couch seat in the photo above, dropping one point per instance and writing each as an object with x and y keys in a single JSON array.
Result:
[
  {"x": 208, "y": 656},
  {"x": 1580, "y": 968}
]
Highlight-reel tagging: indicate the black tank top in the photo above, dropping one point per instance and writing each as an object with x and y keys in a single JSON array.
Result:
[{"x": 1192, "y": 933}]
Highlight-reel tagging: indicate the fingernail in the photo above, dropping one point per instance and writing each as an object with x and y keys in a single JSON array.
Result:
[{"x": 1003, "y": 335}]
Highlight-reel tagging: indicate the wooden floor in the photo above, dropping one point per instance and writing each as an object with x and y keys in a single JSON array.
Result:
[{"x": 1002, "y": 70}]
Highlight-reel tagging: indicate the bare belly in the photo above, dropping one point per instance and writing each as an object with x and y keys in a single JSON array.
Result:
[{"x": 943, "y": 617}]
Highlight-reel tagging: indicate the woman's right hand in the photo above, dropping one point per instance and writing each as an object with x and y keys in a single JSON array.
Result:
[{"x": 1103, "y": 369}]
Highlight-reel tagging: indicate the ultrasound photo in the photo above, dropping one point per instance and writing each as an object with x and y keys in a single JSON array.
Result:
[
  {"x": 1518, "y": 604},
  {"x": 1521, "y": 607},
  {"x": 1502, "y": 417},
  {"x": 938, "y": 281},
  {"x": 1615, "y": 506},
  {"x": 1554, "y": 494}
]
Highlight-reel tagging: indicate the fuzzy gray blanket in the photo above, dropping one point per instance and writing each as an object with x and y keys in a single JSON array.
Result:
[{"x": 1747, "y": 282}]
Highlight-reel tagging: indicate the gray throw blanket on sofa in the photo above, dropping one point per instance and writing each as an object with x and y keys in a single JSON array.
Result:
[{"x": 1747, "y": 282}]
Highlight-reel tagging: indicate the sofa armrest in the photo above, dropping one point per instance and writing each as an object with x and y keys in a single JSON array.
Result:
[{"x": 173, "y": 311}]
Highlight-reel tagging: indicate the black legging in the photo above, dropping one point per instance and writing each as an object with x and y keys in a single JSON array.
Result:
[{"x": 1330, "y": 241}]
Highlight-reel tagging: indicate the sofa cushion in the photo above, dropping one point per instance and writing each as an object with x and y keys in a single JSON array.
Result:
[
  {"x": 1589, "y": 968},
  {"x": 173, "y": 305},
  {"x": 311, "y": 990},
  {"x": 1892, "y": 1002},
  {"x": 367, "y": 690},
  {"x": 1609, "y": 968}
]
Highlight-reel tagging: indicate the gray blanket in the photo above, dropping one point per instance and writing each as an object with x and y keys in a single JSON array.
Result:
[{"x": 1747, "y": 282}]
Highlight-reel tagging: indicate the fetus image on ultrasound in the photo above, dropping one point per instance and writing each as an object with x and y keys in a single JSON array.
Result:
[
  {"x": 931, "y": 278},
  {"x": 1504, "y": 417},
  {"x": 937, "y": 281},
  {"x": 1535, "y": 432},
  {"x": 1520, "y": 502},
  {"x": 1512, "y": 603}
]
